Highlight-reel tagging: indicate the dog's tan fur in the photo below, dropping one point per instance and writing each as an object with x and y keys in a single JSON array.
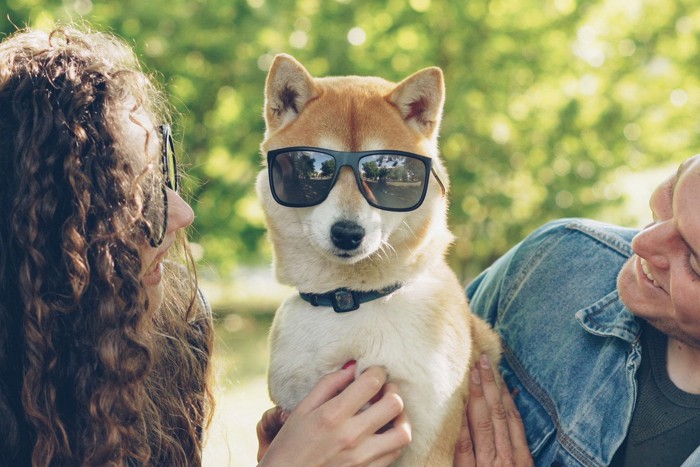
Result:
[{"x": 423, "y": 333}]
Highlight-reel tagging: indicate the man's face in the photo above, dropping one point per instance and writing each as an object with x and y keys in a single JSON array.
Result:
[{"x": 661, "y": 282}]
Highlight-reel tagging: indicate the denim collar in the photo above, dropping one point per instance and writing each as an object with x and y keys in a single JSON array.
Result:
[{"x": 609, "y": 317}]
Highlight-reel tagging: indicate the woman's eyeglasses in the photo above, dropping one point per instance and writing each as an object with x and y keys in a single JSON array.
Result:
[
  {"x": 388, "y": 179},
  {"x": 171, "y": 179}
]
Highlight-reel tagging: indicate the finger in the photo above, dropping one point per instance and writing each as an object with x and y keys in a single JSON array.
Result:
[
  {"x": 480, "y": 423},
  {"x": 464, "y": 449},
  {"x": 382, "y": 412},
  {"x": 493, "y": 394},
  {"x": 267, "y": 428},
  {"x": 272, "y": 420},
  {"x": 327, "y": 388},
  {"x": 383, "y": 449},
  {"x": 359, "y": 393},
  {"x": 521, "y": 450}
]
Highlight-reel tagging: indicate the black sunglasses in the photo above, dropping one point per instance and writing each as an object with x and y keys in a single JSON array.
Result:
[
  {"x": 389, "y": 180},
  {"x": 171, "y": 179}
]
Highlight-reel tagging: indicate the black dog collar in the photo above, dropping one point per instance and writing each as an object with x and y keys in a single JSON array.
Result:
[{"x": 343, "y": 300}]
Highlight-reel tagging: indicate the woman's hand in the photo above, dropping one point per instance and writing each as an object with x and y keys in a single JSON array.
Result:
[
  {"x": 492, "y": 430},
  {"x": 327, "y": 427}
]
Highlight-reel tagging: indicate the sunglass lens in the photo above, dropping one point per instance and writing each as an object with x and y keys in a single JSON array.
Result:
[
  {"x": 393, "y": 181},
  {"x": 172, "y": 179},
  {"x": 302, "y": 178}
]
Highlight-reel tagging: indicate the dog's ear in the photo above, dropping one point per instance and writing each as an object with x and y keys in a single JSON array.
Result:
[
  {"x": 289, "y": 87},
  {"x": 420, "y": 98}
]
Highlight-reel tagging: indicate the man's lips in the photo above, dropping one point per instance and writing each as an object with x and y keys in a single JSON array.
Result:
[{"x": 647, "y": 271}]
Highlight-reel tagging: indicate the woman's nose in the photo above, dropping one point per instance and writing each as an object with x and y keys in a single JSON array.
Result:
[{"x": 180, "y": 214}]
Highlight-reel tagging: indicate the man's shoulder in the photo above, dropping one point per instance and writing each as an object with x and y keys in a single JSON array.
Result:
[
  {"x": 558, "y": 256},
  {"x": 581, "y": 232},
  {"x": 566, "y": 335}
]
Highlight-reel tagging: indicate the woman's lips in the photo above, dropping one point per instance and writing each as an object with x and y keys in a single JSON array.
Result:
[{"x": 154, "y": 273}]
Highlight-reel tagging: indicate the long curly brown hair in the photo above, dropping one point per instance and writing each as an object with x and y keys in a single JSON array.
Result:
[{"x": 89, "y": 374}]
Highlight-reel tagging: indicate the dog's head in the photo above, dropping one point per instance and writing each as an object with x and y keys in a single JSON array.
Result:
[{"x": 343, "y": 237}]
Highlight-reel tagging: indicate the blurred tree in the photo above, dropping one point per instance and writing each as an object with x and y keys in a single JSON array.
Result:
[{"x": 547, "y": 99}]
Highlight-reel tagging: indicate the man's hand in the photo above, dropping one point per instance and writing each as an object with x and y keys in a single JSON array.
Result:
[
  {"x": 268, "y": 427},
  {"x": 492, "y": 430}
]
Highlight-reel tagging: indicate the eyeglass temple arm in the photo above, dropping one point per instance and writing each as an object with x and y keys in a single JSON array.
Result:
[{"x": 442, "y": 187}]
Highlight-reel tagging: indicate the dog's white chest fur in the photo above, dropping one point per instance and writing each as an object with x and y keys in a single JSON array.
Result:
[{"x": 423, "y": 353}]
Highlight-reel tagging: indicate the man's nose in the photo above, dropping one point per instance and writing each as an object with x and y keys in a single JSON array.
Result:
[{"x": 655, "y": 242}]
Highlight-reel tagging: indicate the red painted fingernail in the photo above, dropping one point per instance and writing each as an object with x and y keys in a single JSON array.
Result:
[{"x": 349, "y": 364}]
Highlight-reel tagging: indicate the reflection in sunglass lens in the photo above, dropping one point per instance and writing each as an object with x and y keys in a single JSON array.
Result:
[
  {"x": 393, "y": 181},
  {"x": 302, "y": 178},
  {"x": 172, "y": 179}
]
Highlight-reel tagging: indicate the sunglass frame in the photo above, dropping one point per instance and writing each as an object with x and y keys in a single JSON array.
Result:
[
  {"x": 351, "y": 159},
  {"x": 168, "y": 182}
]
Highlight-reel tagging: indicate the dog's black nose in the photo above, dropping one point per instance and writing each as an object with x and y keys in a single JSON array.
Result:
[{"x": 347, "y": 235}]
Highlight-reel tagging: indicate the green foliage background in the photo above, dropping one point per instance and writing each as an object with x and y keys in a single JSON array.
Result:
[{"x": 549, "y": 101}]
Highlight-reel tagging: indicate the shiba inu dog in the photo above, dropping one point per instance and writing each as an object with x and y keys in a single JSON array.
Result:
[{"x": 355, "y": 200}]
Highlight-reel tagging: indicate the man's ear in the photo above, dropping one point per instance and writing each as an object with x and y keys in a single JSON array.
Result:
[
  {"x": 289, "y": 87},
  {"x": 420, "y": 99}
]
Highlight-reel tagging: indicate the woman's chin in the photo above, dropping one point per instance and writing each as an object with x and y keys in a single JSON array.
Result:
[
  {"x": 153, "y": 277},
  {"x": 154, "y": 289}
]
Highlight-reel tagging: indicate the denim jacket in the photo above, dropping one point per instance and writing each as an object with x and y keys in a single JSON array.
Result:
[{"x": 571, "y": 348}]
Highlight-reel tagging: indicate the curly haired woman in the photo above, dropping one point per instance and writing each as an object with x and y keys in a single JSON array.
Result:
[{"x": 104, "y": 345}]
